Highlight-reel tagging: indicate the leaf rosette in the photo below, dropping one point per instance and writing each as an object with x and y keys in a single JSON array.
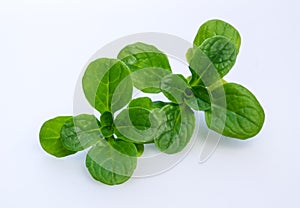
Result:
[{"x": 127, "y": 124}]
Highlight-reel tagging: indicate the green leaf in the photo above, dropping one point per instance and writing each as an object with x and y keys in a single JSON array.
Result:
[
  {"x": 106, "y": 119},
  {"x": 148, "y": 64},
  {"x": 203, "y": 70},
  {"x": 222, "y": 53},
  {"x": 107, "y": 131},
  {"x": 139, "y": 112},
  {"x": 140, "y": 55},
  {"x": 159, "y": 104},
  {"x": 112, "y": 162},
  {"x": 177, "y": 128},
  {"x": 80, "y": 132},
  {"x": 211, "y": 61},
  {"x": 140, "y": 149},
  {"x": 175, "y": 88},
  {"x": 107, "y": 84},
  {"x": 107, "y": 124},
  {"x": 142, "y": 102},
  {"x": 243, "y": 116},
  {"x": 200, "y": 100},
  {"x": 138, "y": 123},
  {"x": 50, "y": 139},
  {"x": 216, "y": 27}
]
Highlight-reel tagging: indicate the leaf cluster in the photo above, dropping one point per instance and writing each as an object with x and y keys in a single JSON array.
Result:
[{"x": 116, "y": 139}]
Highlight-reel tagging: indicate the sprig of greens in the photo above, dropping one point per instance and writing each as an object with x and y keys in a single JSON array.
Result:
[{"x": 117, "y": 139}]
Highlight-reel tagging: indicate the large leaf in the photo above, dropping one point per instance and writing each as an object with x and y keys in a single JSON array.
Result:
[
  {"x": 107, "y": 84},
  {"x": 80, "y": 132},
  {"x": 177, "y": 128},
  {"x": 215, "y": 27},
  {"x": 138, "y": 123},
  {"x": 112, "y": 162},
  {"x": 148, "y": 64},
  {"x": 50, "y": 139},
  {"x": 241, "y": 118},
  {"x": 212, "y": 60},
  {"x": 222, "y": 53}
]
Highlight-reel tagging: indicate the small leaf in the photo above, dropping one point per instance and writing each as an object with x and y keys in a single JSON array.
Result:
[
  {"x": 50, "y": 139},
  {"x": 243, "y": 116},
  {"x": 140, "y": 149},
  {"x": 80, "y": 132},
  {"x": 139, "y": 112},
  {"x": 112, "y": 162},
  {"x": 148, "y": 64},
  {"x": 107, "y": 131},
  {"x": 200, "y": 100},
  {"x": 107, "y": 84},
  {"x": 107, "y": 124},
  {"x": 138, "y": 123},
  {"x": 215, "y": 27},
  {"x": 106, "y": 119},
  {"x": 177, "y": 128}
]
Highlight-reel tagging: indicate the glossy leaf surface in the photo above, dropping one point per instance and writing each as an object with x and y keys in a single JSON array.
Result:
[
  {"x": 215, "y": 27},
  {"x": 107, "y": 85},
  {"x": 50, "y": 138},
  {"x": 148, "y": 64},
  {"x": 244, "y": 116},
  {"x": 112, "y": 162},
  {"x": 81, "y": 132},
  {"x": 138, "y": 123},
  {"x": 177, "y": 128}
]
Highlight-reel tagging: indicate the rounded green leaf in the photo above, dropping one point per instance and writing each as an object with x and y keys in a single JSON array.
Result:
[
  {"x": 112, "y": 162},
  {"x": 50, "y": 139},
  {"x": 107, "y": 84},
  {"x": 107, "y": 131},
  {"x": 138, "y": 123},
  {"x": 107, "y": 124},
  {"x": 177, "y": 128},
  {"x": 244, "y": 116},
  {"x": 139, "y": 112},
  {"x": 106, "y": 119},
  {"x": 221, "y": 52},
  {"x": 215, "y": 27},
  {"x": 80, "y": 132},
  {"x": 211, "y": 61},
  {"x": 148, "y": 64},
  {"x": 141, "y": 55}
]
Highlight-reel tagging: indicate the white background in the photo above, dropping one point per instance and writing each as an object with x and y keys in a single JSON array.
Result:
[{"x": 45, "y": 44}]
